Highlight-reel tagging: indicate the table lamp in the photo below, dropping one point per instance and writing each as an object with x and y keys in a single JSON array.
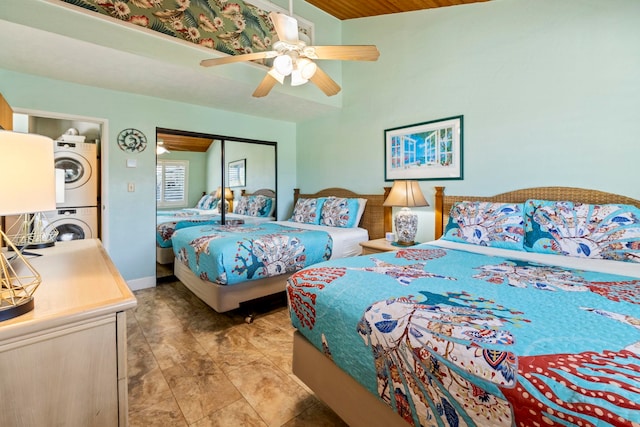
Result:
[
  {"x": 228, "y": 196},
  {"x": 406, "y": 194},
  {"x": 27, "y": 184}
]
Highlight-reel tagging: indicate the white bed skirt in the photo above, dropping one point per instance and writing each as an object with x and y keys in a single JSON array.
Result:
[{"x": 228, "y": 297}]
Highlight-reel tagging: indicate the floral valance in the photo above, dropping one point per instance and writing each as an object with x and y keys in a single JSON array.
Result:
[{"x": 230, "y": 27}]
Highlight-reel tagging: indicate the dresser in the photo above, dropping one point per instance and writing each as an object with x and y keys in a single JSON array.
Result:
[{"x": 65, "y": 362}]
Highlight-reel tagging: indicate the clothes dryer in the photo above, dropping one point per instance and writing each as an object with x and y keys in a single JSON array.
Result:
[
  {"x": 73, "y": 223},
  {"x": 79, "y": 161}
]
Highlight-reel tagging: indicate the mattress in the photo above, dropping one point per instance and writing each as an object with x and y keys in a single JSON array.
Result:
[
  {"x": 346, "y": 241},
  {"x": 455, "y": 334}
]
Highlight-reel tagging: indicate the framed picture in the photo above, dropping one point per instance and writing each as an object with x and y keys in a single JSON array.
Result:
[
  {"x": 237, "y": 173},
  {"x": 429, "y": 150}
]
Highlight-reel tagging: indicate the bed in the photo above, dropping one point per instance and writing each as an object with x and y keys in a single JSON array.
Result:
[
  {"x": 475, "y": 330},
  {"x": 211, "y": 287},
  {"x": 169, "y": 221}
]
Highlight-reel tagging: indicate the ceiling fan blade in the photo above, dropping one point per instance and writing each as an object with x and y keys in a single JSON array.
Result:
[
  {"x": 286, "y": 26},
  {"x": 265, "y": 86},
  {"x": 325, "y": 83},
  {"x": 346, "y": 53},
  {"x": 238, "y": 58}
]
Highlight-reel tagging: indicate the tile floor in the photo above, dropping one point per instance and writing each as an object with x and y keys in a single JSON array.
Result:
[{"x": 191, "y": 366}]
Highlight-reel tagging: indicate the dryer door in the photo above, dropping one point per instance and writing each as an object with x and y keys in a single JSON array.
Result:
[
  {"x": 71, "y": 229},
  {"x": 77, "y": 169}
]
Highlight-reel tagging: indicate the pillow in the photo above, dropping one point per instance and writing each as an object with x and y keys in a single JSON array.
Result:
[
  {"x": 259, "y": 206},
  {"x": 242, "y": 206},
  {"x": 607, "y": 231},
  {"x": 362, "y": 203},
  {"x": 214, "y": 203},
  {"x": 307, "y": 211},
  {"x": 498, "y": 225},
  {"x": 204, "y": 202},
  {"x": 272, "y": 211},
  {"x": 339, "y": 212}
]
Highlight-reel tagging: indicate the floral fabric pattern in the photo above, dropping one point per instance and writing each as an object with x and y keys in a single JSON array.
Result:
[
  {"x": 242, "y": 206},
  {"x": 259, "y": 206},
  {"x": 231, "y": 254},
  {"x": 307, "y": 211},
  {"x": 231, "y": 27},
  {"x": 607, "y": 231},
  {"x": 168, "y": 224},
  {"x": 452, "y": 338},
  {"x": 339, "y": 212},
  {"x": 499, "y": 225}
]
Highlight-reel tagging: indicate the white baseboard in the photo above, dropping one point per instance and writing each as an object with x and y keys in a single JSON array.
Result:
[{"x": 142, "y": 283}]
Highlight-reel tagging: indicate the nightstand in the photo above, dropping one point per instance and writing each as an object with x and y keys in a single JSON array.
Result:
[{"x": 377, "y": 245}]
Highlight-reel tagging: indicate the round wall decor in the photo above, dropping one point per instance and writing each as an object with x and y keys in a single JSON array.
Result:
[{"x": 132, "y": 140}]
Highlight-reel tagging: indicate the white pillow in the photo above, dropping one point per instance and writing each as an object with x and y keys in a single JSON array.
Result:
[{"x": 362, "y": 203}]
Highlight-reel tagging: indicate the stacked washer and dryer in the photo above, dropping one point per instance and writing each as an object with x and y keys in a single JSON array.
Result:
[{"x": 77, "y": 217}]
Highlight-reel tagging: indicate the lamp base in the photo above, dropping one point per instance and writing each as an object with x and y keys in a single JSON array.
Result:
[
  {"x": 402, "y": 243},
  {"x": 11, "y": 311},
  {"x": 18, "y": 281},
  {"x": 406, "y": 223}
]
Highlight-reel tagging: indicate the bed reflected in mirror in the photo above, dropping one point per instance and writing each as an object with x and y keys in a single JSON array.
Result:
[{"x": 191, "y": 170}]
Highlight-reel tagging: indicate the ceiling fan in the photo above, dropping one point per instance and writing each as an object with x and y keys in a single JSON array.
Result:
[{"x": 292, "y": 57}]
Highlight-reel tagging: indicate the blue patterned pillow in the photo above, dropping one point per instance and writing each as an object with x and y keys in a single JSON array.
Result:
[
  {"x": 307, "y": 211},
  {"x": 339, "y": 212},
  {"x": 204, "y": 202},
  {"x": 608, "y": 231},
  {"x": 213, "y": 203},
  {"x": 259, "y": 206},
  {"x": 242, "y": 206},
  {"x": 499, "y": 225}
]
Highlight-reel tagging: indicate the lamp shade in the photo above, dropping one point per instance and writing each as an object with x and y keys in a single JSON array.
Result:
[
  {"x": 405, "y": 194},
  {"x": 227, "y": 193},
  {"x": 27, "y": 173},
  {"x": 283, "y": 64}
]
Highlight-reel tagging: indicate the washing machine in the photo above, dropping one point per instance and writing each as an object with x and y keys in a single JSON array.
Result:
[
  {"x": 79, "y": 161},
  {"x": 73, "y": 223}
]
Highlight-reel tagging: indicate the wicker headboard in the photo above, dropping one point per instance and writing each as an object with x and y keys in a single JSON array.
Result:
[
  {"x": 261, "y": 192},
  {"x": 581, "y": 195},
  {"x": 376, "y": 218}
]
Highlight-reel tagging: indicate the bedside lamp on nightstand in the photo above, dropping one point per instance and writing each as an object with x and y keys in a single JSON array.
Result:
[{"x": 406, "y": 194}]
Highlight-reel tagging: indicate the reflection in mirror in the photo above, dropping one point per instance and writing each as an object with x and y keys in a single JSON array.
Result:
[{"x": 194, "y": 164}]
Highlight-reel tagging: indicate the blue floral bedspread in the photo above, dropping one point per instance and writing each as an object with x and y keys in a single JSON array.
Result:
[
  {"x": 229, "y": 254},
  {"x": 168, "y": 221},
  {"x": 452, "y": 338}
]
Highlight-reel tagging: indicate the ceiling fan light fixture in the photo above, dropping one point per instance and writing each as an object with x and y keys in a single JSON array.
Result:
[
  {"x": 276, "y": 75},
  {"x": 307, "y": 68},
  {"x": 283, "y": 64},
  {"x": 296, "y": 78}
]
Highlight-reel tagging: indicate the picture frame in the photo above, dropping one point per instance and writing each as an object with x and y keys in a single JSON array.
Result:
[
  {"x": 425, "y": 151},
  {"x": 237, "y": 173}
]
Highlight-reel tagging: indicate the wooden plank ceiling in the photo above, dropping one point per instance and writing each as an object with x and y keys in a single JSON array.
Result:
[
  {"x": 350, "y": 9},
  {"x": 176, "y": 142}
]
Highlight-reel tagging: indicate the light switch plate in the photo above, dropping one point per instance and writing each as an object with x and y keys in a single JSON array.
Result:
[{"x": 132, "y": 163}]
